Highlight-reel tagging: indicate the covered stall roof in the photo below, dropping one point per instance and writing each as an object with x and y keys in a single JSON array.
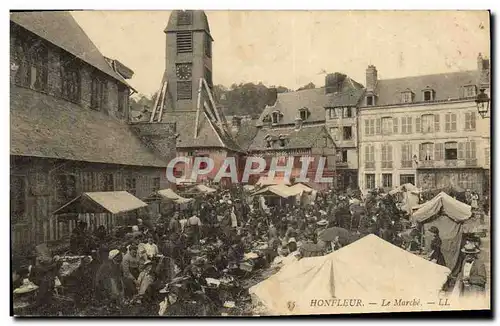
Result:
[
  {"x": 171, "y": 195},
  {"x": 384, "y": 269},
  {"x": 266, "y": 181},
  {"x": 302, "y": 187},
  {"x": 454, "y": 209},
  {"x": 405, "y": 187},
  {"x": 113, "y": 202},
  {"x": 281, "y": 190},
  {"x": 205, "y": 189}
]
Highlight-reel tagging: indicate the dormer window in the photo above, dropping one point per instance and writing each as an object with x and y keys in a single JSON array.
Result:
[
  {"x": 407, "y": 96},
  {"x": 282, "y": 140},
  {"x": 269, "y": 141},
  {"x": 304, "y": 113},
  {"x": 276, "y": 116},
  {"x": 428, "y": 94},
  {"x": 370, "y": 100},
  {"x": 470, "y": 91}
]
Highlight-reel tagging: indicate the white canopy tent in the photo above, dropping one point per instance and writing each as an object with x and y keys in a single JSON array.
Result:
[
  {"x": 281, "y": 190},
  {"x": 266, "y": 181},
  {"x": 113, "y": 202},
  {"x": 169, "y": 194},
  {"x": 364, "y": 272}
]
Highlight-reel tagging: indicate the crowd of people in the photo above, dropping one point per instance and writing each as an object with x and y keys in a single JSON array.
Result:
[{"x": 167, "y": 262}]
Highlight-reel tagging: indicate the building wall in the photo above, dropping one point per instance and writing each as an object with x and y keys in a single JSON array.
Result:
[
  {"x": 40, "y": 175},
  {"x": 414, "y": 139},
  {"x": 349, "y": 145},
  {"x": 216, "y": 154}
]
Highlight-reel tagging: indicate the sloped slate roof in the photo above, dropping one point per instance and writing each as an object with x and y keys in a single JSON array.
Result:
[
  {"x": 446, "y": 86},
  {"x": 46, "y": 126},
  {"x": 208, "y": 136},
  {"x": 62, "y": 30},
  {"x": 315, "y": 100},
  {"x": 289, "y": 104},
  {"x": 305, "y": 137},
  {"x": 199, "y": 22},
  {"x": 246, "y": 133}
]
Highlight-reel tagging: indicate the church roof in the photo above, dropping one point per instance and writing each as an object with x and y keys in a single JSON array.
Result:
[
  {"x": 61, "y": 29},
  {"x": 50, "y": 127},
  {"x": 199, "y": 21}
]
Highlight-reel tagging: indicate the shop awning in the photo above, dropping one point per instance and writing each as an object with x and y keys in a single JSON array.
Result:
[
  {"x": 113, "y": 202},
  {"x": 171, "y": 195},
  {"x": 301, "y": 187}
]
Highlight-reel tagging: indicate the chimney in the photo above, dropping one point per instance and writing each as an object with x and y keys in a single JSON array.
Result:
[
  {"x": 235, "y": 124},
  {"x": 298, "y": 123},
  {"x": 371, "y": 78},
  {"x": 483, "y": 66},
  {"x": 272, "y": 96}
]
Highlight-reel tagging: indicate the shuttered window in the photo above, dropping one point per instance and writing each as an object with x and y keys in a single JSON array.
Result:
[
  {"x": 418, "y": 124},
  {"x": 437, "y": 123},
  {"x": 406, "y": 125},
  {"x": 426, "y": 151},
  {"x": 439, "y": 151},
  {"x": 470, "y": 150},
  {"x": 184, "y": 90},
  {"x": 184, "y": 42},
  {"x": 406, "y": 156},
  {"x": 386, "y": 156},
  {"x": 378, "y": 126},
  {"x": 461, "y": 151},
  {"x": 470, "y": 121},
  {"x": 450, "y": 122},
  {"x": 395, "y": 125}
]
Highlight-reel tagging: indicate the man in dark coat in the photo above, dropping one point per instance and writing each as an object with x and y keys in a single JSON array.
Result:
[
  {"x": 108, "y": 284},
  {"x": 472, "y": 278}
]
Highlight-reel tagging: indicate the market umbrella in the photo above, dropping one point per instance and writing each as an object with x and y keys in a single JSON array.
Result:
[{"x": 331, "y": 233}]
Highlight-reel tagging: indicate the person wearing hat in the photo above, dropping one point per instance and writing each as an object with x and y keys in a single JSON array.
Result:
[
  {"x": 436, "y": 255},
  {"x": 472, "y": 278},
  {"x": 108, "y": 284},
  {"x": 146, "y": 278},
  {"x": 130, "y": 268}
]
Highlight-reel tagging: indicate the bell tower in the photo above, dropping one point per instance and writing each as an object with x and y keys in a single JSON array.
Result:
[{"x": 188, "y": 58}]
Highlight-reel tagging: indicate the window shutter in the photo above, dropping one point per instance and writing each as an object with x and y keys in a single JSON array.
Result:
[
  {"x": 421, "y": 152},
  {"x": 379, "y": 126},
  {"x": 436, "y": 122},
  {"x": 395, "y": 125},
  {"x": 409, "y": 125},
  {"x": 367, "y": 153},
  {"x": 438, "y": 151},
  {"x": 367, "y": 127},
  {"x": 418, "y": 124},
  {"x": 472, "y": 149},
  {"x": 389, "y": 153},
  {"x": 461, "y": 149},
  {"x": 453, "y": 124},
  {"x": 447, "y": 122},
  {"x": 473, "y": 120}
]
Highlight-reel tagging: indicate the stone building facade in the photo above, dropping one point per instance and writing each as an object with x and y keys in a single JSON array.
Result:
[{"x": 424, "y": 130}]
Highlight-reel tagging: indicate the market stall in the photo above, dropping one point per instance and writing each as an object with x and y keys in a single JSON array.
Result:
[
  {"x": 448, "y": 215},
  {"x": 298, "y": 288}
]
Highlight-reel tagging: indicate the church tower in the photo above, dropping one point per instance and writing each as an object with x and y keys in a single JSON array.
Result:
[{"x": 188, "y": 58}]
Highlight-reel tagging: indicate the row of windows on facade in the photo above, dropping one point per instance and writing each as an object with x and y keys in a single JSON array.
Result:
[
  {"x": 423, "y": 124},
  {"x": 427, "y": 152},
  {"x": 66, "y": 189},
  {"x": 386, "y": 179},
  {"x": 184, "y": 43},
  {"x": 428, "y": 95},
  {"x": 30, "y": 60}
]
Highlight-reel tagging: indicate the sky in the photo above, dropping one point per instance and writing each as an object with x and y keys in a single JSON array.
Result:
[{"x": 293, "y": 48}]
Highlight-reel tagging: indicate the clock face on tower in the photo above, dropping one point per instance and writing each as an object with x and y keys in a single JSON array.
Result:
[{"x": 183, "y": 71}]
